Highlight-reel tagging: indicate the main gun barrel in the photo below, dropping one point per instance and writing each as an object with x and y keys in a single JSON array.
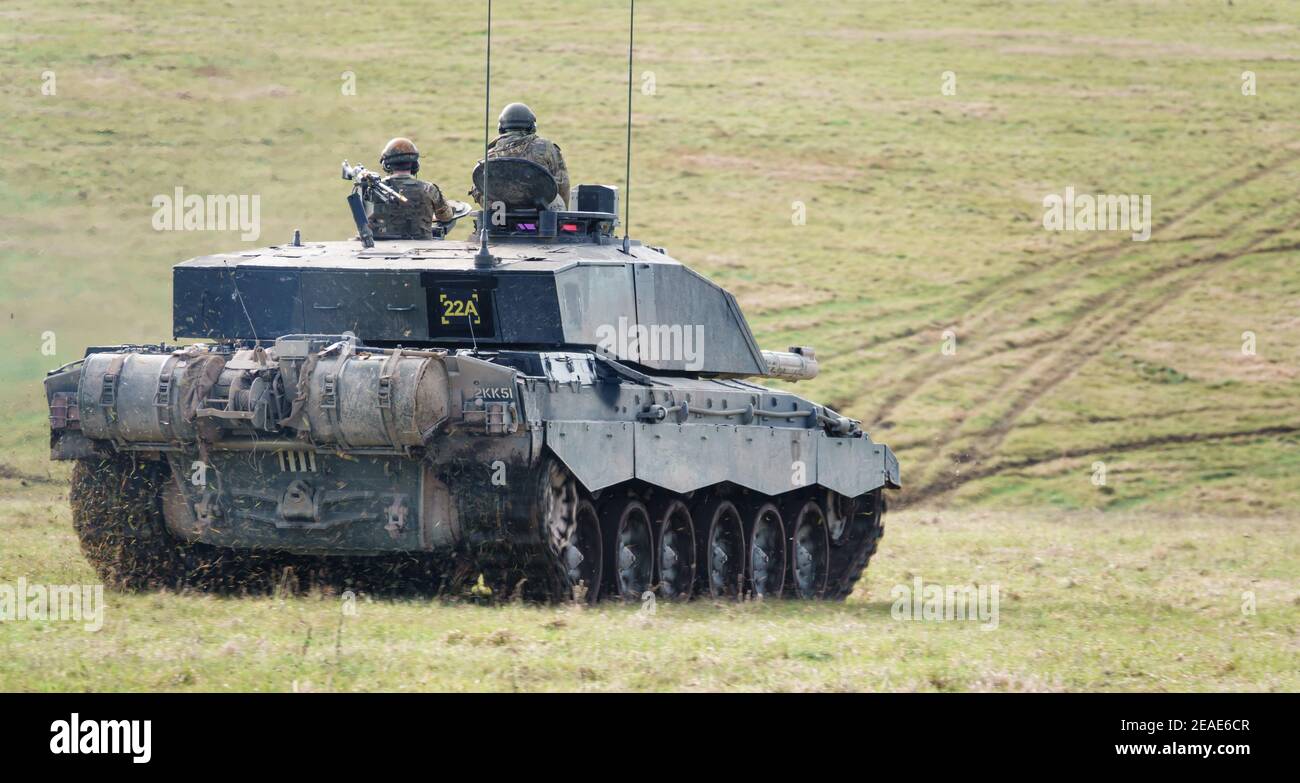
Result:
[{"x": 797, "y": 364}]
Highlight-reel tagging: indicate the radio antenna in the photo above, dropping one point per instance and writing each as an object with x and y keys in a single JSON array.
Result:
[
  {"x": 627, "y": 174},
  {"x": 483, "y": 258}
]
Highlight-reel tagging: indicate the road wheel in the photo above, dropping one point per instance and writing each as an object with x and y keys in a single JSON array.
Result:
[
  {"x": 765, "y": 552},
  {"x": 809, "y": 551},
  {"x": 722, "y": 548},
  {"x": 675, "y": 551},
  {"x": 631, "y": 551}
]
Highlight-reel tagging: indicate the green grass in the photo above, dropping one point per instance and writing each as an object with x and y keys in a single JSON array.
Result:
[
  {"x": 1087, "y": 602},
  {"x": 924, "y": 210},
  {"x": 924, "y": 214}
]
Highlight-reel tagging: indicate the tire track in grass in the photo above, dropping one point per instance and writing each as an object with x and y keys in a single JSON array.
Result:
[
  {"x": 936, "y": 365},
  {"x": 10, "y": 472},
  {"x": 944, "y": 486},
  {"x": 1101, "y": 321},
  {"x": 1107, "y": 328},
  {"x": 902, "y": 447}
]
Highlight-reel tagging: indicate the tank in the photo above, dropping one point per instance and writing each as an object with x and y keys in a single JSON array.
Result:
[{"x": 574, "y": 416}]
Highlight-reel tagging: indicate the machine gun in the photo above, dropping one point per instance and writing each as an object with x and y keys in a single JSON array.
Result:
[{"x": 367, "y": 186}]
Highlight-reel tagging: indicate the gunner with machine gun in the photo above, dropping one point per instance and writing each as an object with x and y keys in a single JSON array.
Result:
[{"x": 422, "y": 203}]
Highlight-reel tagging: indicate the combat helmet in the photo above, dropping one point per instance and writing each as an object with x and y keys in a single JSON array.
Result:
[
  {"x": 401, "y": 154},
  {"x": 517, "y": 116}
]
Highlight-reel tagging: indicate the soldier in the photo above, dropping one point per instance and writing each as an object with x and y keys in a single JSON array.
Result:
[
  {"x": 424, "y": 202},
  {"x": 518, "y": 128}
]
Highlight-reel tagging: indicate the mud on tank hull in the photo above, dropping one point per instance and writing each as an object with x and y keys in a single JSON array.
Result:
[{"x": 551, "y": 474}]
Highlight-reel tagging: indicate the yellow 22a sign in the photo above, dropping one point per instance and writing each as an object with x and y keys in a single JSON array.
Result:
[{"x": 460, "y": 309}]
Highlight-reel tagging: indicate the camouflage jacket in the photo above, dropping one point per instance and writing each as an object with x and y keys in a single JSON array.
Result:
[
  {"x": 414, "y": 219},
  {"x": 518, "y": 144}
]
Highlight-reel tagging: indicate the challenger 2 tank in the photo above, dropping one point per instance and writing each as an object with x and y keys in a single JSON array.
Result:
[{"x": 572, "y": 417}]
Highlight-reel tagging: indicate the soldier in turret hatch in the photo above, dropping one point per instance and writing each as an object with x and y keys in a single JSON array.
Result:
[
  {"x": 518, "y": 138},
  {"x": 424, "y": 201}
]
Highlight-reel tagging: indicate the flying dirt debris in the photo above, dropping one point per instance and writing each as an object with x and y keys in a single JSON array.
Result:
[{"x": 410, "y": 412}]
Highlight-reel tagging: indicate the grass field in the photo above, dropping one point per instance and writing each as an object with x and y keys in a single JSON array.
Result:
[
  {"x": 1087, "y": 601},
  {"x": 1008, "y": 365}
]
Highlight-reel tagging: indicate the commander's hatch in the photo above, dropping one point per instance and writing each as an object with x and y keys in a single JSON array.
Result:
[{"x": 518, "y": 198}]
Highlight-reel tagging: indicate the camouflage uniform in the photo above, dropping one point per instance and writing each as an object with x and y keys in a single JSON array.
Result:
[
  {"x": 521, "y": 144},
  {"x": 414, "y": 219}
]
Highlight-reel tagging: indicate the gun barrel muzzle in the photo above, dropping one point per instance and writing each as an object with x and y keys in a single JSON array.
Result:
[{"x": 797, "y": 364}]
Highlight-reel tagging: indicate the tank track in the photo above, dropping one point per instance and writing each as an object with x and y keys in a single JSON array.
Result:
[
  {"x": 556, "y": 542},
  {"x": 544, "y": 557},
  {"x": 861, "y": 539},
  {"x": 530, "y": 554}
]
